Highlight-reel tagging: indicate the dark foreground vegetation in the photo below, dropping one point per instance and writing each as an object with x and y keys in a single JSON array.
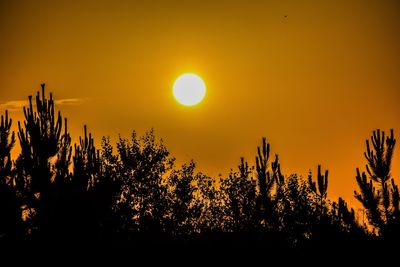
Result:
[{"x": 133, "y": 194}]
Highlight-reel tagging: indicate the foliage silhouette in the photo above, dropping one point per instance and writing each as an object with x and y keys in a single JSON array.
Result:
[{"x": 133, "y": 195}]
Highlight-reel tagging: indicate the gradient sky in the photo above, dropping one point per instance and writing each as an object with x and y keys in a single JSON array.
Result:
[{"x": 315, "y": 83}]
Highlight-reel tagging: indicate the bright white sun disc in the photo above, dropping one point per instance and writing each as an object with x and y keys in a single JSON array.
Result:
[{"x": 189, "y": 89}]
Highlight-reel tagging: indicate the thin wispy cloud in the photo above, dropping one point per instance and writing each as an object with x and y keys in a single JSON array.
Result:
[
  {"x": 69, "y": 101},
  {"x": 15, "y": 105}
]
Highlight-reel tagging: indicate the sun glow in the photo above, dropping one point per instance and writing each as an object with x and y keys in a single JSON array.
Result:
[{"x": 189, "y": 89}]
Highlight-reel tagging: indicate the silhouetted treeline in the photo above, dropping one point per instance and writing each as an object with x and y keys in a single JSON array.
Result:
[{"x": 133, "y": 194}]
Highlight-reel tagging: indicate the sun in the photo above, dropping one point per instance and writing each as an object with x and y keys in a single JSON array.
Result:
[{"x": 189, "y": 89}]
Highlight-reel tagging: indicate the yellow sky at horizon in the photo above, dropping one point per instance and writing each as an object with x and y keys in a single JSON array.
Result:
[{"x": 315, "y": 83}]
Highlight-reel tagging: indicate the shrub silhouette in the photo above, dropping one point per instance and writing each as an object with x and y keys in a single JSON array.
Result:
[{"x": 135, "y": 194}]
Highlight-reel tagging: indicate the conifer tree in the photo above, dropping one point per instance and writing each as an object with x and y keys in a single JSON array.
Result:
[
  {"x": 267, "y": 178},
  {"x": 378, "y": 191},
  {"x": 9, "y": 206},
  {"x": 42, "y": 140},
  {"x": 322, "y": 190}
]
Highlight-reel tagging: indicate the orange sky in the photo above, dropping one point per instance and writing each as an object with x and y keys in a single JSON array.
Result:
[{"x": 315, "y": 83}]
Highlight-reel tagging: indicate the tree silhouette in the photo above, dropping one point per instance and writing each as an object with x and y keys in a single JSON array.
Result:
[
  {"x": 143, "y": 165},
  {"x": 6, "y": 144},
  {"x": 332, "y": 222},
  {"x": 63, "y": 193},
  {"x": 379, "y": 195},
  {"x": 211, "y": 203},
  {"x": 322, "y": 192},
  {"x": 241, "y": 192},
  {"x": 296, "y": 211},
  {"x": 185, "y": 211},
  {"x": 41, "y": 140},
  {"x": 267, "y": 178},
  {"x": 9, "y": 206}
]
